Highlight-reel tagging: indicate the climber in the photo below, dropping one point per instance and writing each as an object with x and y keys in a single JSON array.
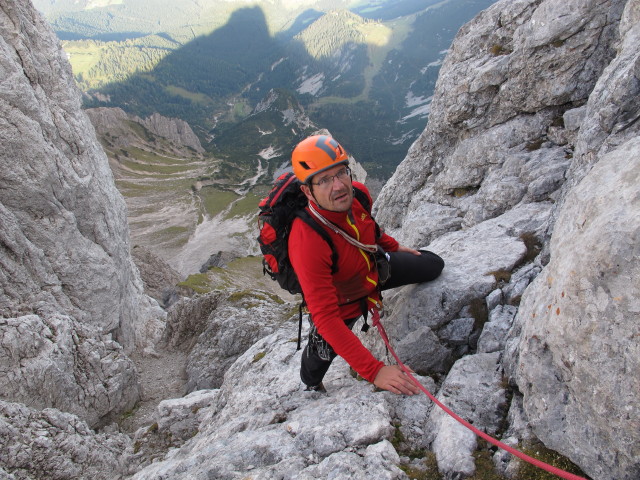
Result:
[{"x": 336, "y": 300}]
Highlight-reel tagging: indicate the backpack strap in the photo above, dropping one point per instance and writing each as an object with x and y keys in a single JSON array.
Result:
[
  {"x": 302, "y": 305},
  {"x": 309, "y": 220},
  {"x": 363, "y": 198}
]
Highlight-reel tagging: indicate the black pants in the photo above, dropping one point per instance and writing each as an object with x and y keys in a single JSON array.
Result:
[{"x": 406, "y": 268}]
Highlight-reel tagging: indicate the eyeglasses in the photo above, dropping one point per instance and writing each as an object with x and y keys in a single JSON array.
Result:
[{"x": 341, "y": 175}]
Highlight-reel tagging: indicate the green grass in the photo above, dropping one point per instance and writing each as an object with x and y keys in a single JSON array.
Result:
[
  {"x": 173, "y": 232},
  {"x": 381, "y": 41},
  {"x": 131, "y": 188},
  {"x": 246, "y": 206},
  {"x": 542, "y": 453},
  {"x": 193, "y": 96},
  {"x": 154, "y": 169},
  {"x": 198, "y": 282},
  {"x": 215, "y": 201},
  {"x": 258, "y": 357}
]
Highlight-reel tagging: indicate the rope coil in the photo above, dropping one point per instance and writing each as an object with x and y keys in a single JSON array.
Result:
[{"x": 538, "y": 463}]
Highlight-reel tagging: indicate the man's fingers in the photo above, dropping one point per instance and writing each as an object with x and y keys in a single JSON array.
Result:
[
  {"x": 405, "y": 385},
  {"x": 393, "y": 379}
]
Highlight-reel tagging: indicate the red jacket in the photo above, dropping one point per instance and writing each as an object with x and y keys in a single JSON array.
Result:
[{"x": 331, "y": 297}]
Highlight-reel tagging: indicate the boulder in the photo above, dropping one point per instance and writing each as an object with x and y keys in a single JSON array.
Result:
[
  {"x": 57, "y": 362},
  {"x": 65, "y": 238},
  {"x": 52, "y": 444},
  {"x": 576, "y": 360}
]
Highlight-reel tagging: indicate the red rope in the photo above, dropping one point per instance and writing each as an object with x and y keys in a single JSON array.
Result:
[{"x": 545, "y": 466}]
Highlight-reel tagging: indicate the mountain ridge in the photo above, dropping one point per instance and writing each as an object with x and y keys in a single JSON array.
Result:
[{"x": 352, "y": 78}]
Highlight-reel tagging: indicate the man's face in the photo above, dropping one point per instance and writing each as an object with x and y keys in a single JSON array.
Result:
[{"x": 331, "y": 189}]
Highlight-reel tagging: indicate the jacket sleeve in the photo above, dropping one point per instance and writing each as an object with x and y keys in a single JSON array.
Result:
[
  {"x": 388, "y": 243},
  {"x": 310, "y": 256}
]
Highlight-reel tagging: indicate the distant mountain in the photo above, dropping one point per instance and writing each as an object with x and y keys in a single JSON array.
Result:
[{"x": 366, "y": 72}]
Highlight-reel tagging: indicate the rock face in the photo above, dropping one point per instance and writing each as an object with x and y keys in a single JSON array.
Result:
[
  {"x": 53, "y": 444},
  {"x": 117, "y": 123},
  {"x": 158, "y": 277},
  {"x": 495, "y": 136},
  {"x": 578, "y": 354},
  {"x": 174, "y": 129},
  {"x": 68, "y": 287},
  {"x": 218, "y": 327},
  {"x": 58, "y": 362},
  {"x": 263, "y": 425},
  {"x": 536, "y": 111}
]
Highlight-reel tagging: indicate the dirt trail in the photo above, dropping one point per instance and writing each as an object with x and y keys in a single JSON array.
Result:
[{"x": 162, "y": 377}]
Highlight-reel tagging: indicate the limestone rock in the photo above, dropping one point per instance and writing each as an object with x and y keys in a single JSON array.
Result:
[
  {"x": 65, "y": 238},
  {"x": 473, "y": 390},
  {"x": 158, "y": 277},
  {"x": 219, "y": 327},
  {"x": 174, "y": 129},
  {"x": 611, "y": 116},
  {"x": 494, "y": 333},
  {"x": 115, "y": 124},
  {"x": 510, "y": 75},
  {"x": 578, "y": 364},
  {"x": 57, "y": 362},
  {"x": 56, "y": 445},
  {"x": 418, "y": 316},
  {"x": 263, "y": 424}
]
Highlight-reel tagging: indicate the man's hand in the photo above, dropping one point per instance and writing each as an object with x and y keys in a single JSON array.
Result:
[
  {"x": 402, "y": 248},
  {"x": 392, "y": 378}
]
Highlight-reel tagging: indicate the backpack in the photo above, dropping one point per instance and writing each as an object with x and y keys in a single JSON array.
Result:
[{"x": 277, "y": 210}]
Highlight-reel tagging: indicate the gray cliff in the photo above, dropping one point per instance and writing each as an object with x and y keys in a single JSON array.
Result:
[
  {"x": 525, "y": 180},
  {"x": 71, "y": 299},
  {"x": 536, "y": 112},
  {"x": 113, "y": 121}
]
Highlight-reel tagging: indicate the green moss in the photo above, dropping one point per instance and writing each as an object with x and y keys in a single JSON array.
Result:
[
  {"x": 540, "y": 452},
  {"x": 129, "y": 413},
  {"x": 237, "y": 297},
  {"x": 398, "y": 438},
  {"x": 258, "y": 357},
  {"x": 428, "y": 472},
  {"x": 498, "y": 49},
  {"x": 485, "y": 469},
  {"x": 198, "y": 282},
  {"x": 464, "y": 191},
  {"x": 430, "y": 469}
]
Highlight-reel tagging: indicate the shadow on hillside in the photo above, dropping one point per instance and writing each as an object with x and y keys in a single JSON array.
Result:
[
  {"x": 215, "y": 80},
  {"x": 191, "y": 82}
]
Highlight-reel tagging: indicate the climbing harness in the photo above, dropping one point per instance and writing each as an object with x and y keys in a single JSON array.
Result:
[{"x": 375, "y": 320}]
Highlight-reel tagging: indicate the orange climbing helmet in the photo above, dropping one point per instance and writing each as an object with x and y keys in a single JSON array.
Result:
[{"x": 316, "y": 154}]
